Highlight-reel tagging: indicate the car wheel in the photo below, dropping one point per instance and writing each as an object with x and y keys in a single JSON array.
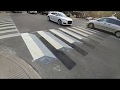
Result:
[
  {"x": 90, "y": 25},
  {"x": 117, "y": 34},
  {"x": 59, "y": 22}
]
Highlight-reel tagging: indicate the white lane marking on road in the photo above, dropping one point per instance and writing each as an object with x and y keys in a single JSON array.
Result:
[
  {"x": 32, "y": 46},
  {"x": 10, "y": 35},
  {"x": 57, "y": 68},
  {"x": 78, "y": 32},
  {"x": 71, "y": 33},
  {"x": 6, "y": 31},
  {"x": 2, "y": 21},
  {"x": 6, "y": 23},
  {"x": 8, "y": 27},
  {"x": 62, "y": 36},
  {"x": 5, "y": 18},
  {"x": 82, "y": 30},
  {"x": 50, "y": 40}
]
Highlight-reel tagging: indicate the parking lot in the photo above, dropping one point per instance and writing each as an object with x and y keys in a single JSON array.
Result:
[{"x": 56, "y": 51}]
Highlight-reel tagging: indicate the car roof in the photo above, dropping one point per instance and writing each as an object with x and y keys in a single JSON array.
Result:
[{"x": 113, "y": 17}]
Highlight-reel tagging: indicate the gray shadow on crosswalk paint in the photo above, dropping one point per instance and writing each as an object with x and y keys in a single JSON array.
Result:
[
  {"x": 40, "y": 44},
  {"x": 65, "y": 49},
  {"x": 46, "y": 59},
  {"x": 68, "y": 62}
]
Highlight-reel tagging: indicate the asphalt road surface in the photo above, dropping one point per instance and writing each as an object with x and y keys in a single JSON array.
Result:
[{"x": 61, "y": 51}]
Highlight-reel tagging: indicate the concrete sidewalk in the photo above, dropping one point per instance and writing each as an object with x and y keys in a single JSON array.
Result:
[{"x": 13, "y": 67}]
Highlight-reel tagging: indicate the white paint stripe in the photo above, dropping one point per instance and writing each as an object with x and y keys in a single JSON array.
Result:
[
  {"x": 7, "y": 27},
  {"x": 83, "y": 30},
  {"x": 10, "y": 35},
  {"x": 9, "y": 18},
  {"x": 78, "y": 32},
  {"x": 41, "y": 45},
  {"x": 62, "y": 36},
  {"x": 5, "y": 17},
  {"x": 32, "y": 46},
  {"x": 71, "y": 33},
  {"x": 93, "y": 31},
  {"x": 6, "y": 20},
  {"x": 50, "y": 40},
  {"x": 6, "y": 31}
]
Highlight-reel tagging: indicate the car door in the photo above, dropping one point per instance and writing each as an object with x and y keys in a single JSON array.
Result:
[
  {"x": 100, "y": 23},
  {"x": 53, "y": 17},
  {"x": 56, "y": 17},
  {"x": 112, "y": 25}
]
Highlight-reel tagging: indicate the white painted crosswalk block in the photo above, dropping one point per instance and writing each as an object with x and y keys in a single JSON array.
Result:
[
  {"x": 78, "y": 32},
  {"x": 92, "y": 31},
  {"x": 95, "y": 32},
  {"x": 43, "y": 48},
  {"x": 71, "y": 33},
  {"x": 70, "y": 42},
  {"x": 82, "y": 30},
  {"x": 62, "y": 36},
  {"x": 35, "y": 51},
  {"x": 50, "y": 40}
]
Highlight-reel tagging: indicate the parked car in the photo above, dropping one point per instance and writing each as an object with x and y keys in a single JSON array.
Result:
[
  {"x": 110, "y": 24},
  {"x": 59, "y": 18},
  {"x": 89, "y": 18},
  {"x": 32, "y": 12}
]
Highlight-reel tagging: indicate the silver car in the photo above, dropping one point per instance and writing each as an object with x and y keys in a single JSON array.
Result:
[{"x": 110, "y": 24}]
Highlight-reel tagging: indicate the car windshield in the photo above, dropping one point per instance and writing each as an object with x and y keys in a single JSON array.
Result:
[{"x": 62, "y": 14}]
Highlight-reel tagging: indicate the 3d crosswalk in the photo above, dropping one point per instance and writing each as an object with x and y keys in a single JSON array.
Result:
[{"x": 56, "y": 42}]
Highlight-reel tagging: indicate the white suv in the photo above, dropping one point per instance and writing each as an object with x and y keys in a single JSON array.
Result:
[{"x": 110, "y": 24}]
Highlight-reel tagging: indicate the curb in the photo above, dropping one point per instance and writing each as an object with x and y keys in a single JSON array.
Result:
[{"x": 23, "y": 65}]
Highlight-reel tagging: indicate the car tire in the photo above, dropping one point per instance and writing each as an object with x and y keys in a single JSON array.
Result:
[
  {"x": 48, "y": 18},
  {"x": 90, "y": 25},
  {"x": 59, "y": 22},
  {"x": 117, "y": 34}
]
